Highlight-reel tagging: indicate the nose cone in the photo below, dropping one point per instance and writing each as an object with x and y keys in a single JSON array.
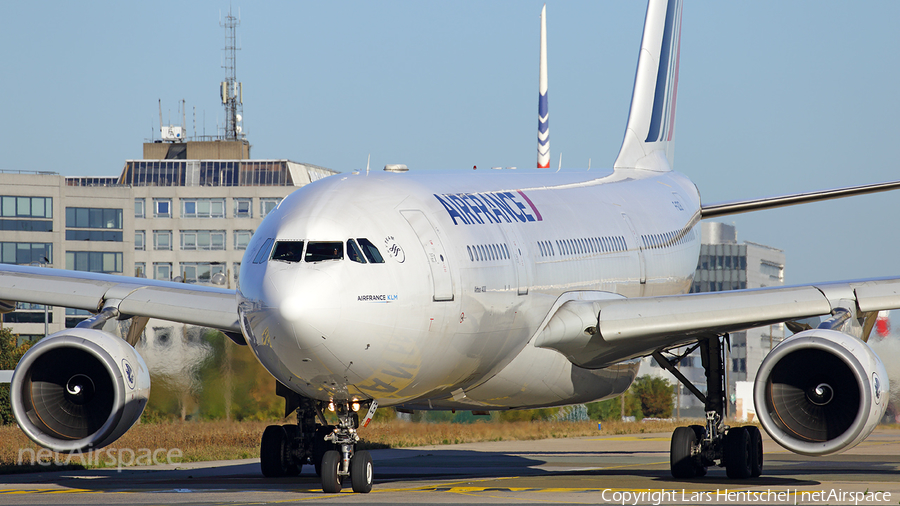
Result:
[{"x": 307, "y": 298}]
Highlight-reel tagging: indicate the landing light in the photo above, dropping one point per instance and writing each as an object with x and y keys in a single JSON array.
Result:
[
  {"x": 355, "y": 406},
  {"x": 331, "y": 406}
]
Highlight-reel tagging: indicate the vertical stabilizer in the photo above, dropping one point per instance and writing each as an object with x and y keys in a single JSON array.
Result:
[
  {"x": 648, "y": 142},
  {"x": 543, "y": 147}
]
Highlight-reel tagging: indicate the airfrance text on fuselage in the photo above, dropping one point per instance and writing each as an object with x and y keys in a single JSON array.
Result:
[{"x": 492, "y": 207}]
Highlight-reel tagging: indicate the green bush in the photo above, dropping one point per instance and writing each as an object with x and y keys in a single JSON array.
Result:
[
  {"x": 656, "y": 396},
  {"x": 611, "y": 409}
]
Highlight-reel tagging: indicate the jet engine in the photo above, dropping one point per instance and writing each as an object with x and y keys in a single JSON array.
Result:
[
  {"x": 79, "y": 390},
  {"x": 820, "y": 391}
]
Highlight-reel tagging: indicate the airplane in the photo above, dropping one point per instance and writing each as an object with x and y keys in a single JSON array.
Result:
[{"x": 478, "y": 291}]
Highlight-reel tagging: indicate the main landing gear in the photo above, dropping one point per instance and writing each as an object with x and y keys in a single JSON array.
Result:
[
  {"x": 694, "y": 448},
  {"x": 330, "y": 448}
]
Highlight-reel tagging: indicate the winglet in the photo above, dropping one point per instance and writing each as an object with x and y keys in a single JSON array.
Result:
[
  {"x": 648, "y": 142},
  {"x": 543, "y": 147}
]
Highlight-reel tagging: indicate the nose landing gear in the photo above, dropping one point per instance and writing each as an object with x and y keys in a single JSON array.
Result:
[
  {"x": 344, "y": 460},
  {"x": 330, "y": 448}
]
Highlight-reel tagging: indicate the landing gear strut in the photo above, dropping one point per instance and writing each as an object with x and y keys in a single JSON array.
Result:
[
  {"x": 344, "y": 460},
  {"x": 693, "y": 449},
  {"x": 330, "y": 448},
  {"x": 285, "y": 448}
]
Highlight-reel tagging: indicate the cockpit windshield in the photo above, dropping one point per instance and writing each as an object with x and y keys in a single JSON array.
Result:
[
  {"x": 353, "y": 252},
  {"x": 317, "y": 251},
  {"x": 288, "y": 251},
  {"x": 370, "y": 251},
  {"x": 358, "y": 250}
]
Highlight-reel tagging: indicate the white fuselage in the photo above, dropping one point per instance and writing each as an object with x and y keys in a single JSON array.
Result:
[{"x": 473, "y": 265}]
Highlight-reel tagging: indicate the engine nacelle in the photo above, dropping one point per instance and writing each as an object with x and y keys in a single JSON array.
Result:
[
  {"x": 79, "y": 390},
  {"x": 820, "y": 392}
]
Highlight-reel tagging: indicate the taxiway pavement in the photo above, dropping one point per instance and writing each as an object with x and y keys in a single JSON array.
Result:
[{"x": 629, "y": 469}]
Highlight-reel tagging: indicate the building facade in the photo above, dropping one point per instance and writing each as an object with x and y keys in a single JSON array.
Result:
[
  {"x": 725, "y": 264},
  {"x": 171, "y": 219}
]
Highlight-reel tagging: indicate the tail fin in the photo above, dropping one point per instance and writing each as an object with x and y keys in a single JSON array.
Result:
[
  {"x": 648, "y": 140},
  {"x": 543, "y": 148}
]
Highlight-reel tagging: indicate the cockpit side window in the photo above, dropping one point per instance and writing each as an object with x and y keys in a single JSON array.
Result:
[
  {"x": 263, "y": 252},
  {"x": 288, "y": 251},
  {"x": 324, "y": 250},
  {"x": 370, "y": 251},
  {"x": 354, "y": 253}
]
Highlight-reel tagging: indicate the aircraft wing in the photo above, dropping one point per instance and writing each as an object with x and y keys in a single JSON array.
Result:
[
  {"x": 597, "y": 333},
  {"x": 185, "y": 303}
]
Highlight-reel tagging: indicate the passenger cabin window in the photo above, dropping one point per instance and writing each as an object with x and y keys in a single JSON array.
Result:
[
  {"x": 288, "y": 251},
  {"x": 370, "y": 251},
  {"x": 324, "y": 250}
]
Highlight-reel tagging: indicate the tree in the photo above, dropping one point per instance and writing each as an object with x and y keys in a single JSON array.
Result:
[
  {"x": 9, "y": 357},
  {"x": 611, "y": 409},
  {"x": 656, "y": 396}
]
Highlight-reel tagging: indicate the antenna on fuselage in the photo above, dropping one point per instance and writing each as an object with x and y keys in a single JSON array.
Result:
[
  {"x": 560, "y": 162},
  {"x": 369, "y": 159},
  {"x": 589, "y": 164}
]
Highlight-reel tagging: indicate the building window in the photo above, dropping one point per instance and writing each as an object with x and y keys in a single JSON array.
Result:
[
  {"x": 243, "y": 208},
  {"x": 242, "y": 238},
  {"x": 162, "y": 240},
  {"x": 27, "y": 317},
  {"x": 26, "y": 207},
  {"x": 162, "y": 208},
  {"x": 23, "y": 253},
  {"x": 202, "y": 208},
  {"x": 266, "y": 206},
  {"x": 76, "y": 316},
  {"x": 203, "y": 239},
  {"x": 89, "y": 217},
  {"x": 139, "y": 239},
  {"x": 162, "y": 270},
  {"x": 140, "y": 270},
  {"x": 772, "y": 270},
  {"x": 27, "y": 225},
  {"x": 138, "y": 208},
  {"x": 94, "y": 261},
  {"x": 237, "y": 271},
  {"x": 94, "y": 235},
  {"x": 193, "y": 272}
]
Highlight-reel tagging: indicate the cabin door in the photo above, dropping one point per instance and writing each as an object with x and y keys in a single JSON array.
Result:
[{"x": 434, "y": 253}]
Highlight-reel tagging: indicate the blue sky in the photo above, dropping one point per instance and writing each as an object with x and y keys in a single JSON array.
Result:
[{"x": 774, "y": 97}]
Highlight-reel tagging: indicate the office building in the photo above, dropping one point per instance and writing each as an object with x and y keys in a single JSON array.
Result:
[
  {"x": 172, "y": 219},
  {"x": 725, "y": 264}
]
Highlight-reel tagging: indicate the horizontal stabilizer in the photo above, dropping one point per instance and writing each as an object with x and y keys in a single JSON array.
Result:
[{"x": 745, "y": 206}]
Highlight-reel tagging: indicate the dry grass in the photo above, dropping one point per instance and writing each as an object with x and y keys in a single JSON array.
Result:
[
  {"x": 397, "y": 434},
  {"x": 221, "y": 440}
]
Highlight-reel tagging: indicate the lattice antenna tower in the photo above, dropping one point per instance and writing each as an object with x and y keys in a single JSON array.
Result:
[{"x": 230, "y": 89}]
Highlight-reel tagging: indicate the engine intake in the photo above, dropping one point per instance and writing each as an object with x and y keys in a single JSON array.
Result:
[
  {"x": 820, "y": 392},
  {"x": 79, "y": 389}
]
